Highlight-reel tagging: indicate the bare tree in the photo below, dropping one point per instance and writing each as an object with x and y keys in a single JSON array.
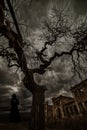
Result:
[{"x": 58, "y": 28}]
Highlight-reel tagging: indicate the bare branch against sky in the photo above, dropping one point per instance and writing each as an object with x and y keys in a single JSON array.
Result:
[{"x": 58, "y": 76}]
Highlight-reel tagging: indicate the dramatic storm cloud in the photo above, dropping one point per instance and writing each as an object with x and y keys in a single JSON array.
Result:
[
  {"x": 6, "y": 78},
  {"x": 58, "y": 78}
]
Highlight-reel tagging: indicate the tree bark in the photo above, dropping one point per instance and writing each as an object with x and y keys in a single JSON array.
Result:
[{"x": 38, "y": 116}]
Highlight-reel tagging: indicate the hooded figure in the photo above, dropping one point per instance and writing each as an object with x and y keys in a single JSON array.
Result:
[{"x": 14, "y": 112}]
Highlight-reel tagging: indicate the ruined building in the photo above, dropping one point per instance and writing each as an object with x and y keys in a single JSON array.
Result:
[{"x": 66, "y": 107}]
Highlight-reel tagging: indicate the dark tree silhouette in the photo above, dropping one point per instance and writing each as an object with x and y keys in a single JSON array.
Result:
[{"x": 60, "y": 27}]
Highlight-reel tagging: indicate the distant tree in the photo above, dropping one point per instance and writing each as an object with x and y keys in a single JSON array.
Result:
[{"x": 56, "y": 27}]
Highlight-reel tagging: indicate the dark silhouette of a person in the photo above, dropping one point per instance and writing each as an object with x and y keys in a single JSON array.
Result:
[{"x": 14, "y": 111}]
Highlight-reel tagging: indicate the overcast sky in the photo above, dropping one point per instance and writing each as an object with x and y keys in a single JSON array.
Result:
[{"x": 58, "y": 80}]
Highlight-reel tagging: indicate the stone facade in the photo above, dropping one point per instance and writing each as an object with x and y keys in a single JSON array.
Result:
[
  {"x": 66, "y": 107},
  {"x": 48, "y": 112},
  {"x": 80, "y": 96},
  {"x": 59, "y": 107}
]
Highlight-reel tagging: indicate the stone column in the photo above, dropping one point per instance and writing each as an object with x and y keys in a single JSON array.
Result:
[
  {"x": 84, "y": 108},
  {"x": 76, "y": 103},
  {"x": 73, "y": 109},
  {"x": 46, "y": 112},
  {"x": 83, "y": 104},
  {"x": 54, "y": 112},
  {"x": 78, "y": 108},
  {"x": 62, "y": 112},
  {"x": 69, "y": 111}
]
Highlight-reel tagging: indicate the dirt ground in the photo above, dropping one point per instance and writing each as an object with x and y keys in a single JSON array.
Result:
[
  {"x": 13, "y": 126},
  {"x": 22, "y": 125},
  {"x": 79, "y": 123},
  {"x": 19, "y": 126},
  {"x": 76, "y": 124},
  {"x": 6, "y": 125}
]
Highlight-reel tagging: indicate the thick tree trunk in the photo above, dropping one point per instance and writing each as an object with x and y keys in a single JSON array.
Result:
[
  {"x": 36, "y": 90},
  {"x": 37, "y": 112},
  {"x": 38, "y": 118}
]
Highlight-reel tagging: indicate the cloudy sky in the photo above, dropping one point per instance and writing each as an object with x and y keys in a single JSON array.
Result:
[{"x": 58, "y": 79}]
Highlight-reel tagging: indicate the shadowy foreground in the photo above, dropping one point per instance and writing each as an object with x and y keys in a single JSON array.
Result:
[
  {"x": 13, "y": 126},
  {"x": 67, "y": 124},
  {"x": 22, "y": 125}
]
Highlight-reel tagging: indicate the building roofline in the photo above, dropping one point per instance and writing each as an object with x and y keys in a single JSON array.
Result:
[
  {"x": 62, "y": 96},
  {"x": 78, "y": 85}
]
